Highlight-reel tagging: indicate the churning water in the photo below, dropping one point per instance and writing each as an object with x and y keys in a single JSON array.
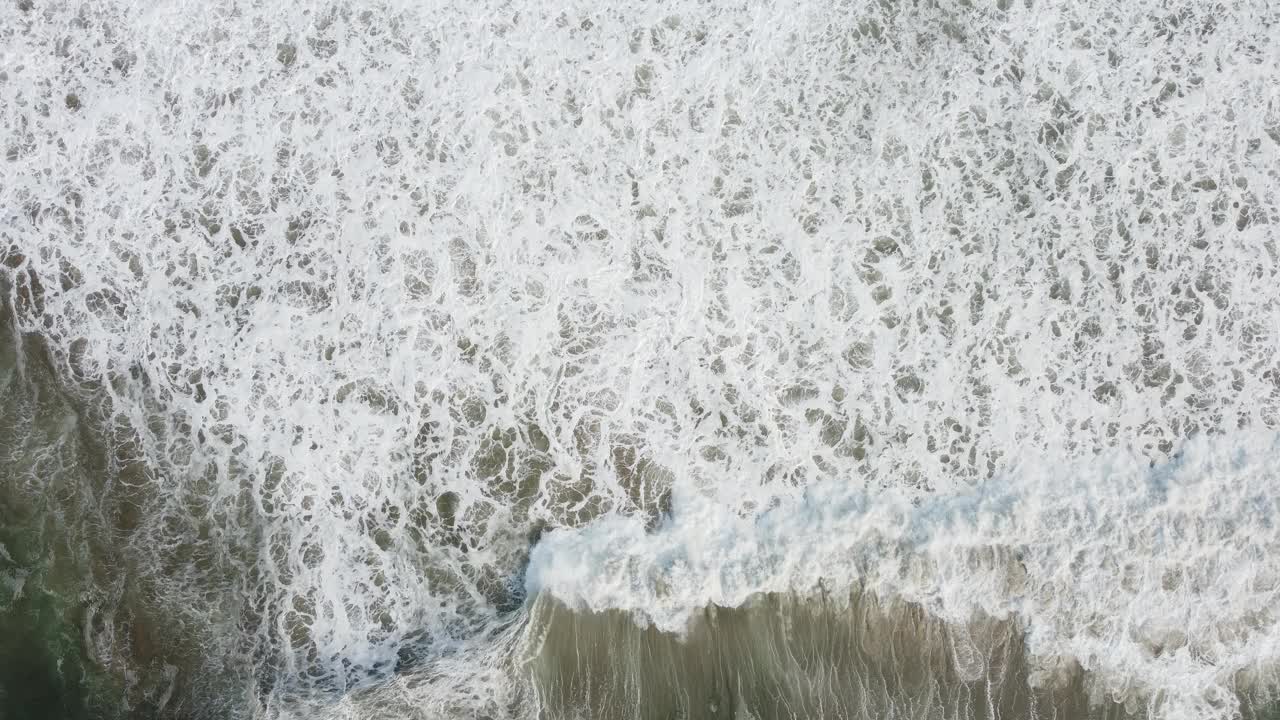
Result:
[{"x": 865, "y": 359}]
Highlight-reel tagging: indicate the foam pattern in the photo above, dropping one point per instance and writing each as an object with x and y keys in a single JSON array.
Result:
[{"x": 378, "y": 293}]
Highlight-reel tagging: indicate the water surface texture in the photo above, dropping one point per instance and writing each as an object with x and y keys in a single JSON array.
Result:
[{"x": 578, "y": 360}]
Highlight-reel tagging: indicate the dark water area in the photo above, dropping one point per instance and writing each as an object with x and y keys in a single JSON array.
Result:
[
  {"x": 42, "y": 673},
  {"x": 42, "y": 659},
  {"x": 70, "y": 644}
]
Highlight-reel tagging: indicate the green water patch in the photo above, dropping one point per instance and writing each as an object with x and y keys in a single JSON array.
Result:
[
  {"x": 42, "y": 663},
  {"x": 46, "y": 671},
  {"x": 43, "y": 673},
  {"x": 100, "y": 615}
]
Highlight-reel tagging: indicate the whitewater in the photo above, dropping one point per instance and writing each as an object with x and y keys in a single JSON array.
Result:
[{"x": 680, "y": 359}]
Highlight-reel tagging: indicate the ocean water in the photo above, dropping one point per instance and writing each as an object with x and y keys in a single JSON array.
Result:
[{"x": 866, "y": 359}]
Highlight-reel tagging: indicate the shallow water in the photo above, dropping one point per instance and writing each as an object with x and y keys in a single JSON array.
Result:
[{"x": 686, "y": 360}]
